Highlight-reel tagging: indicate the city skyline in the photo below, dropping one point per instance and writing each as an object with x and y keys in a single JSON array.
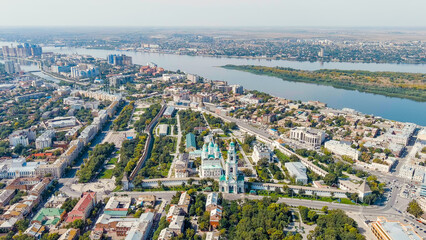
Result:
[{"x": 219, "y": 13}]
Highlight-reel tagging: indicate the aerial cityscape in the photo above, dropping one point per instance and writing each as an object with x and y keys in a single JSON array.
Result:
[{"x": 142, "y": 128}]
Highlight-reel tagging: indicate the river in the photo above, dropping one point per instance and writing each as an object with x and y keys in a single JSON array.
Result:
[{"x": 399, "y": 109}]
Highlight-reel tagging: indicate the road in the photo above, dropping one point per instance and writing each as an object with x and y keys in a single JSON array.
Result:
[
  {"x": 388, "y": 209},
  {"x": 149, "y": 143},
  {"x": 71, "y": 177},
  {"x": 179, "y": 139}
]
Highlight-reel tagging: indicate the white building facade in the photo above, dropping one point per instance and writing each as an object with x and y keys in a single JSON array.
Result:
[
  {"x": 211, "y": 161},
  {"x": 309, "y": 136},
  {"x": 342, "y": 149},
  {"x": 232, "y": 181}
]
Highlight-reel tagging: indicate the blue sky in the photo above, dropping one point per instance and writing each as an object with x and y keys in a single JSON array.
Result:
[{"x": 374, "y": 13}]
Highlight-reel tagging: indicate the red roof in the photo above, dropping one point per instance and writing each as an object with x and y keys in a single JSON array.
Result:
[
  {"x": 42, "y": 154},
  {"x": 85, "y": 201},
  {"x": 78, "y": 212}
]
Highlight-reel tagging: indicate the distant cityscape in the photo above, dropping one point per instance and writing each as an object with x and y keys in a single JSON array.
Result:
[
  {"x": 104, "y": 148},
  {"x": 286, "y": 45}
]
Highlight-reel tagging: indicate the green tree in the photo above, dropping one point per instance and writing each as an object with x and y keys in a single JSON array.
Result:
[
  {"x": 312, "y": 215},
  {"x": 330, "y": 179},
  {"x": 22, "y": 225},
  {"x": 414, "y": 209}
]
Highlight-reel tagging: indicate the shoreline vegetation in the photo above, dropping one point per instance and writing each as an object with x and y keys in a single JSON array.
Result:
[{"x": 392, "y": 84}]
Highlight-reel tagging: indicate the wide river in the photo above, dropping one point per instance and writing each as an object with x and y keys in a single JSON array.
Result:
[{"x": 388, "y": 107}]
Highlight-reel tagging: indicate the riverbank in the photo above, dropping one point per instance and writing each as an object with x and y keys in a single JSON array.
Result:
[
  {"x": 400, "y": 109},
  {"x": 393, "y": 84},
  {"x": 247, "y": 57}
]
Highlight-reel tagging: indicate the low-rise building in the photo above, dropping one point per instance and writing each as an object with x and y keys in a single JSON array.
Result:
[
  {"x": 142, "y": 229},
  {"x": 181, "y": 166},
  {"x": 174, "y": 210},
  {"x": 23, "y": 137},
  {"x": 400, "y": 135},
  {"x": 163, "y": 129},
  {"x": 176, "y": 225},
  {"x": 212, "y": 236},
  {"x": 261, "y": 151},
  {"x": 125, "y": 228},
  {"x": 168, "y": 113},
  {"x": 61, "y": 122},
  {"x": 407, "y": 171},
  {"x": 49, "y": 216},
  {"x": 118, "y": 206},
  {"x": 362, "y": 189},
  {"x": 191, "y": 145},
  {"x": 83, "y": 207},
  {"x": 184, "y": 202},
  {"x": 45, "y": 139},
  {"x": 146, "y": 201},
  {"x": 19, "y": 167},
  {"x": 249, "y": 99},
  {"x": 309, "y": 136},
  {"x": 298, "y": 171},
  {"x": 26, "y": 97},
  {"x": 212, "y": 201},
  {"x": 215, "y": 217},
  {"x": 35, "y": 230},
  {"x": 384, "y": 166},
  {"x": 56, "y": 201},
  {"x": 384, "y": 229},
  {"x": 342, "y": 149},
  {"x": 166, "y": 234},
  {"x": 5, "y": 196},
  {"x": 70, "y": 234}
]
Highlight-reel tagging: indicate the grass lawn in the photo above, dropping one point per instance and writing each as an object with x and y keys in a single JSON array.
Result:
[
  {"x": 112, "y": 161},
  {"x": 106, "y": 174}
]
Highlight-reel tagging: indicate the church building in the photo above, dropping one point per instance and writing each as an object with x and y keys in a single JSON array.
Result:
[
  {"x": 211, "y": 158},
  {"x": 231, "y": 181}
]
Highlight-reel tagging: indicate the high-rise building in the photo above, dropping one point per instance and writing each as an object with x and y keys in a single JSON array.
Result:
[
  {"x": 193, "y": 78},
  {"x": 5, "y": 50},
  {"x": 237, "y": 89},
  {"x": 321, "y": 52},
  {"x": 84, "y": 71},
  {"x": 119, "y": 60},
  {"x": 45, "y": 139},
  {"x": 9, "y": 67},
  {"x": 36, "y": 51},
  {"x": 25, "y": 50}
]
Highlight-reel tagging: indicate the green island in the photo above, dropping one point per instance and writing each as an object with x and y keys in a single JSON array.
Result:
[{"x": 393, "y": 84}]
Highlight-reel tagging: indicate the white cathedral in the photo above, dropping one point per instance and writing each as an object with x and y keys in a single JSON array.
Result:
[
  {"x": 211, "y": 158},
  {"x": 232, "y": 181}
]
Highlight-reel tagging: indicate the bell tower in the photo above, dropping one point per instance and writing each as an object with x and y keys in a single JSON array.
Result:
[{"x": 232, "y": 162}]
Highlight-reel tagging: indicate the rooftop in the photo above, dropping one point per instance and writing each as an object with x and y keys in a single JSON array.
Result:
[{"x": 398, "y": 231}]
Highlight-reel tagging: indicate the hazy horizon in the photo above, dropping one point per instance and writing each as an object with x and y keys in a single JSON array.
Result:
[{"x": 218, "y": 13}]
